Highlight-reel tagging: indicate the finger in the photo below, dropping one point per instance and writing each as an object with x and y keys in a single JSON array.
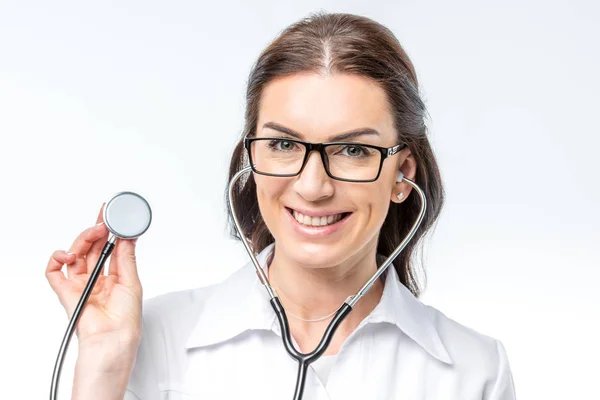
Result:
[
  {"x": 100, "y": 217},
  {"x": 81, "y": 246},
  {"x": 54, "y": 273},
  {"x": 94, "y": 253},
  {"x": 123, "y": 263},
  {"x": 80, "y": 263}
]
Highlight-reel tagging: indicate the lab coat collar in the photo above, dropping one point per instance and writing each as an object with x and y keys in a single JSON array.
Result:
[{"x": 240, "y": 303}]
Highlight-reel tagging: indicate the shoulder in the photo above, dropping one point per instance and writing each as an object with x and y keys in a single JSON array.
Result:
[
  {"x": 174, "y": 314},
  {"x": 461, "y": 340},
  {"x": 475, "y": 354},
  {"x": 164, "y": 304},
  {"x": 167, "y": 320}
]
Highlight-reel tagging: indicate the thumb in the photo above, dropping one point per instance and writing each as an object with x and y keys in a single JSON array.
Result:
[{"x": 124, "y": 253}]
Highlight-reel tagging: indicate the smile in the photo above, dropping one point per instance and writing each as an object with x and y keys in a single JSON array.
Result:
[
  {"x": 316, "y": 221},
  {"x": 320, "y": 225}
]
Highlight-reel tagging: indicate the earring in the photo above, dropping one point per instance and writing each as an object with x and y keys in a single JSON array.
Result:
[{"x": 400, "y": 195}]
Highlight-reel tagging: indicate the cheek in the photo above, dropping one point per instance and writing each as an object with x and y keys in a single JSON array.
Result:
[
  {"x": 375, "y": 204},
  {"x": 269, "y": 191}
]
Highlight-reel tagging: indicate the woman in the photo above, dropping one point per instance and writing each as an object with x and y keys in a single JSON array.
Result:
[{"x": 320, "y": 232}]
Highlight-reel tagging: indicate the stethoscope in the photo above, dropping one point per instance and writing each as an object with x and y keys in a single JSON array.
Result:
[
  {"x": 304, "y": 360},
  {"x": 127, "y": 215}
]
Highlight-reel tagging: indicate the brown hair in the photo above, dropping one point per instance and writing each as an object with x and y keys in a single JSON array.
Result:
[{"x": 327, "y": 43}]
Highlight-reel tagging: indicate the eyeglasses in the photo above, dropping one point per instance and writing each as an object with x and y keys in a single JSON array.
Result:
[{"x": 343, "y": 161}]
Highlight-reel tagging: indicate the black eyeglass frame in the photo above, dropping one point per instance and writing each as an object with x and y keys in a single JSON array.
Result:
[{"x": 320, "y": 147}]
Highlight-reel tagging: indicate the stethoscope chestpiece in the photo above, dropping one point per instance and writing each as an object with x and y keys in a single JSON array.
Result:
[{"x": 127, "y": 215}]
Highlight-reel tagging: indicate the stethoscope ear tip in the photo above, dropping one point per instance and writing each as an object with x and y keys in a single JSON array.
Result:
[{"x": 400, "y": 177}]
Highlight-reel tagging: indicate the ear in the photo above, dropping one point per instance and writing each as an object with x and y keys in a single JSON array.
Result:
[{"x": 408, "y": 166}]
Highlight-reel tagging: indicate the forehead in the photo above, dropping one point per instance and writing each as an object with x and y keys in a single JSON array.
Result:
[{"x": 320, "y": 106}]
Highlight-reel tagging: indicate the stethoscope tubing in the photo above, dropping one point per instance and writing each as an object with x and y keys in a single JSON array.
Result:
[
  {"x": 304, "y": 360},
  {"x": 87, "y": 291}
]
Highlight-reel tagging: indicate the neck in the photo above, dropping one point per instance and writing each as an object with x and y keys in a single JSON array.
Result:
[{"x": 311, "y": 293}]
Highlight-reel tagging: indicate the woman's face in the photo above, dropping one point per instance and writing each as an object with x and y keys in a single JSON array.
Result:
[{"x": 317, "y": 108}]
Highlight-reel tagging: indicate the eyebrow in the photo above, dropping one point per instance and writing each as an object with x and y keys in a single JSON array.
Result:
[{"x": 340, "y": 137}]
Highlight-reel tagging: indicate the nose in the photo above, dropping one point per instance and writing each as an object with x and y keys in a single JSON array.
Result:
[{"x": 313, "y": 183}]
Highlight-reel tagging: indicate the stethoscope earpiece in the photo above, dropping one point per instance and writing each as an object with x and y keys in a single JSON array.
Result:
[{"x": 400, "y": 177}]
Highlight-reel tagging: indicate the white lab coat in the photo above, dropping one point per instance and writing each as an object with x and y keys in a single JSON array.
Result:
[{"x": 224, "y": 342}]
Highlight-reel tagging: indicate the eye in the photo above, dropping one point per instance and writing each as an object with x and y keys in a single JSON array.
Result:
[
  {"x": 281, "y": 145},
  {"x": 354, "y": 151}
]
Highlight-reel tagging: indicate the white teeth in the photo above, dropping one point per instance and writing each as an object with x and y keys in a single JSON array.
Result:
[{"x": 316, "y": 221}]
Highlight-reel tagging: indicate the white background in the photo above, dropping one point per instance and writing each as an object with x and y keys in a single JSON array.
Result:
[{"x": 148, "y": 96}]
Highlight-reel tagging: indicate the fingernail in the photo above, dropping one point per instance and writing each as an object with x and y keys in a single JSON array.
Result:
[
  {"x": 70, "y": 254},
  {"x": 100, "y": 223}
]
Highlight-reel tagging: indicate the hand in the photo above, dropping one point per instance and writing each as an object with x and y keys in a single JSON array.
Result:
[{"x": 113, "y": 311}]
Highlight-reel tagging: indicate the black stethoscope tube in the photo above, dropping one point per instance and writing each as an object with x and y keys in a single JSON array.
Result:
[
  {"x": 87, "y": 291},
  {"x": 304, "y": 360}
]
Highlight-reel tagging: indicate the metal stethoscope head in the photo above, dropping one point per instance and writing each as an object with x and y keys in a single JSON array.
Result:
[
  {"x": 127, "y": 215},
  {"x": 305, "y": 359}
]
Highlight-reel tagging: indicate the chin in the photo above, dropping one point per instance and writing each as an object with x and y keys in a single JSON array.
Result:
[{"x": 317, "y": 255}]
